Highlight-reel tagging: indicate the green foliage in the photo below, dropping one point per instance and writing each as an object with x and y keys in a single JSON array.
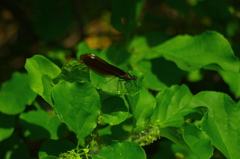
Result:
[
  {"x": 111, "y": 118},
  {"x": 77, "y": 106},
  {"x": 121, "y": 151},
  {"x": 10, "y": 101},
  {"x": 192, "y": 53}
]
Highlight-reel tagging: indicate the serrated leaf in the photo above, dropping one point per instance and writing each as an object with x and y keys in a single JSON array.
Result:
[
  {"x": 221, "y": 122},
  {"x": 122, "y": 150},
  {"x": 77, "y": 104},
  {"x": 72, "y": 71},
  {"x": 210, "y": 50},
  {"x": 198, "y": 141},
  {"x": 172, "y": 106},
  {"x": 16, "y": 94}
]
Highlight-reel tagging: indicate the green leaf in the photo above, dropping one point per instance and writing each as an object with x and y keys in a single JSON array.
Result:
[
  {"x": 142, "y": 106},
  {"x": 77, "y": 104},
  {"x": 55, "y": 148},
  {"x": 172, "y": 106},
  {"x": 150, "y": 80},
  {"x": 42, "y": 125},
  {"x": 16, "y": 94},
  {"x": 83, "y": 48},
  {"x": 221, "y": 122},
  {"x": 233, "y": 80},
  {"x": 114, "y": 110},
  {"x": 174, "y": 134},
  {"x": 124, "y": 15},
  {"x": 119, "y": 132},
  {"x": 121, "y": 151},
  {"x": 72, "y": 71},
  {"x": 198, "y": 141},
  {"x": 7, "y": 124},
  {"x": 158, "y": 73},
  {"x": 116, "y": 55},
  {"x": 209, "y": 50},
  {"x": 140, "y": 45},
  {"x": 115, "y": 86},
  {"x": 41, "y": 71}
]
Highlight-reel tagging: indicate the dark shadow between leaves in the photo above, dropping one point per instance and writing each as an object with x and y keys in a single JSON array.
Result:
[{"x": 36, "y": 132}]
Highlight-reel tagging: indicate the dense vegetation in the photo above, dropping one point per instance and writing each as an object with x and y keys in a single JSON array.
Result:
[{"x": 184, "y": 104}]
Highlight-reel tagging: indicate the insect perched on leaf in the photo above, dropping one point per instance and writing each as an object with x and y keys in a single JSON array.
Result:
[{"x": 102, "y": 68}]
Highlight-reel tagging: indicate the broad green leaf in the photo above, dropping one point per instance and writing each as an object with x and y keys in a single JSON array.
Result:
[
  {"x": 84, "y": 49},
  {"x": 47, "y": 83},
  {"x": 158, "y": 73},
  {"x": 114, "y": 110},
  {"x": 122, "y": 150},
  {"x": 16, "y": 94},
  {"x": 138, "y": 44},
  {"x": 150, "y": 80},
  {"x": 233, "y": 80},
  {"x": 110, "y": 85},
  {"x": 42, "y": 125},
  {"x": 116, "y": 55},
  {"x": 77, "y": 105},
  {"x": 7, "y": 124},
  {"x": 221, "y": 122},
  {"x": 116, "y": 86},
  {"x": 141, "y": 45},
  {"x": 209, "y": 50},
  {"x": 142, "y": 106},
  {"x": 41, "y": 71},
  {"x": 55, "y": 148},
  {"x": 124, "y": 15},
  {"x": 172, "y": 106},
  {"x": 198, "y": 141},
  {"x": 72, "y": 71}
]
